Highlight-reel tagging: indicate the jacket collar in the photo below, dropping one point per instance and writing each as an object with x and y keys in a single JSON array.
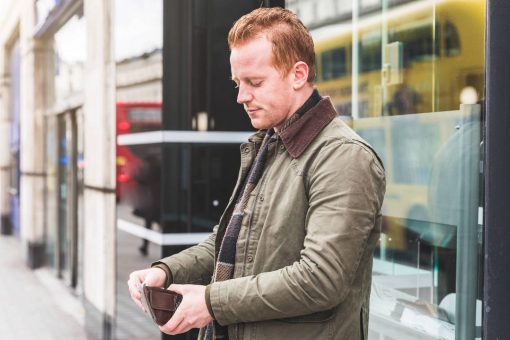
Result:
[
  {"x": 315, "y": 114},
  {"x": 298, "y": 136}
]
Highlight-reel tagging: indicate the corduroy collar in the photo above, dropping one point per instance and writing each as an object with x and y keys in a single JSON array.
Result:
[
  {"x": 298, "y": 135},
  {"x": 303, "y": 131}
]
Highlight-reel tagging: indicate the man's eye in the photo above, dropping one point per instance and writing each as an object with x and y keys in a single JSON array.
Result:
[{"x": 256, "y": 84}]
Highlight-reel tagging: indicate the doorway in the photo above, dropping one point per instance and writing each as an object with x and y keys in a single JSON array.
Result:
[{"x": 69, "y": 192}]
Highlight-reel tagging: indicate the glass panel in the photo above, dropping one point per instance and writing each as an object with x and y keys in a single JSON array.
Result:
[
  {"x": 68, "y": 197},
  {"x": 43, "y": 9},
  {"x": 204, "y": 177},
  {"x": 51, "y": 187},
  {"x": 138, "y": 40},
  {"x": 68, "y": 48},
  {"x": 212, "y": 180},
  {"x": 79, "y": 178},
  {"x": 139, "y": 92},
  {"x": 63, "y": 193},
  {"x": 410, "y": 83},
  {"x": 70, "y": 57}
]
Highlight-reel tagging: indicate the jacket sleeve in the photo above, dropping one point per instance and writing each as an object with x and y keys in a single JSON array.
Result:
[
  {"x": 194, "y": 265},
  {"x": 346, "y": 189}
]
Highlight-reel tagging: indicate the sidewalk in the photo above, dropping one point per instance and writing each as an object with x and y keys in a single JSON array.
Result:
[
  {"x": 131, "y": 323},
  {"x": 33, "y": 304}
]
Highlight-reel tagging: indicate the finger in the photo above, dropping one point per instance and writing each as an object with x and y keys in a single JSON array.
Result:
[
  {"x": 173, "y": 323},
  {"x": 134, "y": 280},
  {"x": 152, "y": 279},
  {"x": 183, "y": 327},
  {"x": 177, "y": 288},
  {"x": 137, "y": 276},
  {"x": 191, "y": 322},
  {"x": 133, "y": 290},
  {"x": 135, "y": 295}
]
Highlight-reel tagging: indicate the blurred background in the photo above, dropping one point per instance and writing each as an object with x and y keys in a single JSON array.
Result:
[{"x": 120, "y": 134}]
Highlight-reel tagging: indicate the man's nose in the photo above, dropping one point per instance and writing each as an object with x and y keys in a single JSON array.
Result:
[{"x": 243, "y": 96}]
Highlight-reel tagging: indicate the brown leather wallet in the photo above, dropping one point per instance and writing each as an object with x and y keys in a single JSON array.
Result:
[{"x": 160, "y": 303}]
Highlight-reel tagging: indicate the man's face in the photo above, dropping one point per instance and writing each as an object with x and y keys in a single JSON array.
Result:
[{"x": 267, "y": 97}]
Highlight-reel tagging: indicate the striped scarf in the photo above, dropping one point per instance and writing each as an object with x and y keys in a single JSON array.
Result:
[{"x": 224, "y": 269}]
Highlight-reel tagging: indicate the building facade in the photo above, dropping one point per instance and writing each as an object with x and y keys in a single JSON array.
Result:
[{"x": 119, "y": 144}]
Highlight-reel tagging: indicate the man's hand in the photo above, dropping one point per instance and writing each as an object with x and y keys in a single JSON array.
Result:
[
  {"x": 153, "y": 277},
  {"x": 191, "y": 313}
]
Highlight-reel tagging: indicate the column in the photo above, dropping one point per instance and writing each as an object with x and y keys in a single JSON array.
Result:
[
  {"x": 35, "y": 76},
  {"x": 5, "y": 227},
  {"x": 99, "y": 175}
]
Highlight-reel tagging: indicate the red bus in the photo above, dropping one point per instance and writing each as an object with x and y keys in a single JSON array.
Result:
[{"x": 133, "y": 117}]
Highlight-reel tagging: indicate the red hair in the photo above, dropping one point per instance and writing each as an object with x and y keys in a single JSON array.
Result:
[{"x": 290, "y": 38}]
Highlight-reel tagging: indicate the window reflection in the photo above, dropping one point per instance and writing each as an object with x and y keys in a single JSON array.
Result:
[
  {"x": 138, "y": 27},
  {"x": 418, "y": 83},
  {"x": 139, "y": 71},
  {"x": 43, "y": 8},
  {"x": 333, "y": 64},
  {"x": 65, "y": 51},
  {"x": 370, "y": 52},
  {"x": 418, "y": 41},
  {"x": 51, "y": 187},
  {"x": 138, "y": 31},
  {"x": 70, "y": 57},
  {"x": 430, "y": 46}
]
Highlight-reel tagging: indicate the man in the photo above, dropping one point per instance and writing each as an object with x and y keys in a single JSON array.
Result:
[{"x": 291, "y": 257}]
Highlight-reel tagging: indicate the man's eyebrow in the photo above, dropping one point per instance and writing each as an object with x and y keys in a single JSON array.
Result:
[{"x": 247, "y": 78}]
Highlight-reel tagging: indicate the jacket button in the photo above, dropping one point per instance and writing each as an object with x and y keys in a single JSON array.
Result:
[
  {"x": 261, "y": 198},
  {"x": 246, "y": 150},
  {"x": 282, "y": 147},
  {"x": 249, "y": 258}
]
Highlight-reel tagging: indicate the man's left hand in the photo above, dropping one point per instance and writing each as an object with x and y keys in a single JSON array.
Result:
[{"x": 191, "y": 313}]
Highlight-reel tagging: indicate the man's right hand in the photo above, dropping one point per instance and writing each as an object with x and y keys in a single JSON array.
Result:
[{"x": 152, "y": 277}]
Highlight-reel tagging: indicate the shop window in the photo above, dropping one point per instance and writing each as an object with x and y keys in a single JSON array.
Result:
[{"x": 430, "y": 146}]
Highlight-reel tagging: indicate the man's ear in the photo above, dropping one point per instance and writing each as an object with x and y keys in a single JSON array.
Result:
[{"x": 300, "y": 71}]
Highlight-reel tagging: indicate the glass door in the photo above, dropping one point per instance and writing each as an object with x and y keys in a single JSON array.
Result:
[
  {"x": 51, "y": 191},
  {"x": 67, "y": 198}
]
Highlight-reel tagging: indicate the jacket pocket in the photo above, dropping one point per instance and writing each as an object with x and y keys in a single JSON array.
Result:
[{"x": 314, "y": 317}]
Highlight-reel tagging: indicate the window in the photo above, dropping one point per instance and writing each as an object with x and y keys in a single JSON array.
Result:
[
  {"x": 451, "y": 39},
  {"x": 370, "y": 54},
  {"x": 333, "y": 64},
  {"x": 419, "y": 43}
]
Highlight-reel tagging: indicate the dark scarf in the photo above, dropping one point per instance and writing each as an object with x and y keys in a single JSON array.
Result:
[{"x": 224, "y": 269}]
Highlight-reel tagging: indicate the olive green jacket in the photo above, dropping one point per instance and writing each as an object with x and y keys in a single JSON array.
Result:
[{"x": 304, "y": 254}]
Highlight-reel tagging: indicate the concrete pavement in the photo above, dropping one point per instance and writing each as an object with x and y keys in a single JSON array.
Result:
[
  {"x": 131, "y": 323},
  {"x": 34, "y": 304}
]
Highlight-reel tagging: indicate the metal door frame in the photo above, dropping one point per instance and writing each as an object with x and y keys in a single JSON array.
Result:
[{"x": 497, "y": 163}]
